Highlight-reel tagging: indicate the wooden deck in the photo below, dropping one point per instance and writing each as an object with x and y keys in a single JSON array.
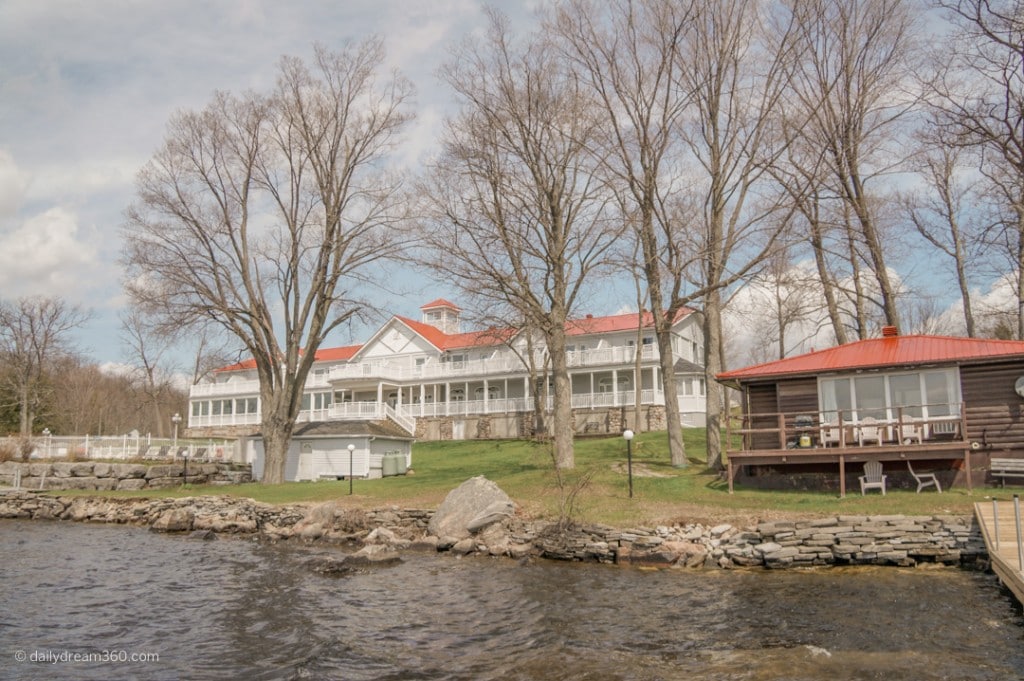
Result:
[
  {"x": 1003, "y": 547},
  {"x": 840, "y": 456}
]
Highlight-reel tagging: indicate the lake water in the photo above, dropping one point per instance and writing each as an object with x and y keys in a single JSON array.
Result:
[{"x": 240, "y": 609}]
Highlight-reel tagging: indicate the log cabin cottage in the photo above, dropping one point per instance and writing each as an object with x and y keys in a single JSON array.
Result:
[{"x": 946, "y": 404}]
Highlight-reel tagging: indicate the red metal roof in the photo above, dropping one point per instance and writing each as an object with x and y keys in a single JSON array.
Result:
[
  {"x": 882, "y": 352},
  {"x": 328, "y": 354},
  {"x": 240, "y": 366},
  {"x": 487, "y": 337},
  {"x": 613, "y": 323},
  {"x": 440, "y": 302},
  {"x": 443, "y": 341},
  {"x": 322, "y": 355}
]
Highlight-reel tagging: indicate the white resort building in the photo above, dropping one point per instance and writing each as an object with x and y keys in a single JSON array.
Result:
[{"x": 430, "y": 380}]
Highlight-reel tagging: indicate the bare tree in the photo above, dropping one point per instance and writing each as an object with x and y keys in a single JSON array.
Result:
[
  {"x": 981, "y": 99},
  {"x": 942, "y": 213},
  {"x": 627, "y": 54},
  {"x": 516, "y": 216},
  {"x": 738, "y": 70},
  {"x": 689, "y": 93},
  {"x": 263, "y": 214},
  {"x": 153, "y": 376},
  {"x": 853, "y": 81},
  {"x": 35, "y": 332}
]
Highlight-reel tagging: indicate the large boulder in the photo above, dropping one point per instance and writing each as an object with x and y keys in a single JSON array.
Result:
[{"x": 469, "y": 509}]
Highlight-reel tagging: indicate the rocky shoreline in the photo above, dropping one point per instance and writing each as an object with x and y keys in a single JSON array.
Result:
[{"x": 477, "y": 518}]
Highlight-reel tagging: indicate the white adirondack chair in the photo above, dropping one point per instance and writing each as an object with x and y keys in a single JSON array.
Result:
[{"x": 872, "y": 478}]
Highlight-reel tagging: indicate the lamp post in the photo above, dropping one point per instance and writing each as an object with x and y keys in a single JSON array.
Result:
[
  {"x": 176, "y": 419},
  {"x": 351, "y": 449},
  {"x": 628, "y": 436}
]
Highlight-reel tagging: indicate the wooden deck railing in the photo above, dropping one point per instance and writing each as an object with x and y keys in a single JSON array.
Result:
[{"x": 808, "y": 430}]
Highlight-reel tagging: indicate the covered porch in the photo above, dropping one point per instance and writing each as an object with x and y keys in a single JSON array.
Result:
[{"x": 792, "y": 439}]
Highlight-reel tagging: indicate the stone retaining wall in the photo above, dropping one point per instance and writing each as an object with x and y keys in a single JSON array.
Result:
[
  {"x": 841, "y": 540},
  {"x": 92, "y": 475}
]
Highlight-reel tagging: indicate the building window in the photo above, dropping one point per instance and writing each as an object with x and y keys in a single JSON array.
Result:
[{"x": 925, "y": 394}]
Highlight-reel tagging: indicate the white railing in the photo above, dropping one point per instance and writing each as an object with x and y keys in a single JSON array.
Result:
[
  {"x": 229, "y": 388},
  {"x": 402, "y": 419},
  {"x": 395, "y": 371},
  {"x": 223, "y": 420},
  {"x": 406, "y": 414},
  {"x": 125, "y": 447}
]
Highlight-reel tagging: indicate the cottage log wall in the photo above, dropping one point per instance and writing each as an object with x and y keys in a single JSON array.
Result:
[
  {"x": 993, "y": 409},
  {"x": 799, "y": 396},
  {"x": 762, "y": 398}
]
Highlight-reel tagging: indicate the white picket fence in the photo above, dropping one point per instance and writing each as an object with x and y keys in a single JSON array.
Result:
[{"x": 124, "y": 447}]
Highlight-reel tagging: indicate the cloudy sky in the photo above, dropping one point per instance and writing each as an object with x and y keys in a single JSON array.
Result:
[{"x": 87, "y": 87}]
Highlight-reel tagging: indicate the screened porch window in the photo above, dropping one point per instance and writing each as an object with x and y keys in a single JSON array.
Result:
[{"x": 927, "y": 394}]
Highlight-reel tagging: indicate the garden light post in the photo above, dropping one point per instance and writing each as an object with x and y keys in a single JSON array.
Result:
[
  {"x": 351, "y": 449},
  {"x": 176, "y": 419},
  {"x": 628, "y": 436}
]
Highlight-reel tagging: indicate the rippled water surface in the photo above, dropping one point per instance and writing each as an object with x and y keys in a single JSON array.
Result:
[{"x": 238, "y": 609}]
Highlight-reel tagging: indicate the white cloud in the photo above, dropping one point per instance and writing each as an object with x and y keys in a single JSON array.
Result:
[{"x": 46, "y": 254}]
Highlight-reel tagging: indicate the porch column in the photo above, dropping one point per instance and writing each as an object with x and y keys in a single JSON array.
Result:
[
  {"x": 842, "y": 476},
  {"x": 447, "y": 399},
  {"x": 380, "y": 397},
  {"x": 615, "y": 387},
  {"x": 423, "y": 398},
  {"x": 486, "y": 400},
  {"x": 526, "y": 390},
  {"x": 591, "y": 388}
]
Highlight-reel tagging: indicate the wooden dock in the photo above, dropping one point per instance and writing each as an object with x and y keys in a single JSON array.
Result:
[{"x": 1003, "y": 548}]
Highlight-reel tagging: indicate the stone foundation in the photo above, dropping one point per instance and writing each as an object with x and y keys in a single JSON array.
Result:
[{"x": 93, "y": 475}]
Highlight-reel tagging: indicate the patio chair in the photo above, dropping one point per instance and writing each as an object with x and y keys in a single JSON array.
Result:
[
  {"x": 910, "y": 430},
  {"x": 924, "y": 480},
  {"x": 868, "y": 431},
  {"x": 830, "y": 434},
  {"x": 200, "y": 455},
  {"x": 872, "y": 478}
]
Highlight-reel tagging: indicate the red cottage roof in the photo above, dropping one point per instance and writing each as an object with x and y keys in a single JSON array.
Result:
[{"x": 882, "y": 352}]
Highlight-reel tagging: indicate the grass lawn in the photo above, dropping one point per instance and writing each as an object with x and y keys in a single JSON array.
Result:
[{"x": 597, "y": 489}]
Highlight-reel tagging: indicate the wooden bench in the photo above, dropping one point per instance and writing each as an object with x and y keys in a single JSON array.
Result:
[{"x": 1006, "y": 468}]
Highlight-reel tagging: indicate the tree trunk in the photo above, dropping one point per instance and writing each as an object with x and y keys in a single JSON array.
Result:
[
  {"x": 713, "y": 367},
  {"x": 276, "y": 438},
  {"x": 676, "y": 446},
  {"x": 563, "y": 419}
]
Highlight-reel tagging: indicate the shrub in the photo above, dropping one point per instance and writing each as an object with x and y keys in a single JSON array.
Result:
[
  {"x": 25, "y": 447},
  {"x": 8, "y": 451}
]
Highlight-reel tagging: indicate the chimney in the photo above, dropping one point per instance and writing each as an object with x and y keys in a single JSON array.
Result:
[
  {"x": 590, "y": 316},
  {"x": 890, "y": 332}
]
